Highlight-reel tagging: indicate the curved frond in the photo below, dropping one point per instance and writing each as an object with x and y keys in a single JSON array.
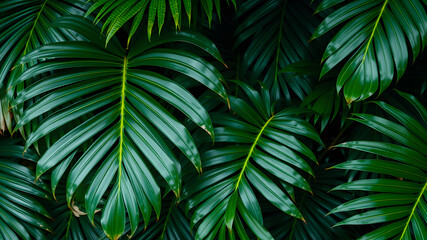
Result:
[
  {"x": 21, "y": 214},
  {"x": 24, "y": 26},
  {"x": 276, "y": 33},
  {"x": 261, "y": 152},
  {"x": 400, "y": 200},
  {"x": 112, "y": 92},
  {"x": 374, "y": 40}
]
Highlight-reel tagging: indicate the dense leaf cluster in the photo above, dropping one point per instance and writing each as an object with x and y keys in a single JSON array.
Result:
[{"x": 213, "y": 119}]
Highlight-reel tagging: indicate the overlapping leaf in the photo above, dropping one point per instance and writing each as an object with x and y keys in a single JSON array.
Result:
[
  {"x": 24, "y": 25},
  {"x": 21, "y": 214},
  {"x": 374, "y": 40},
  {"x": 111, "y": 91},
  {"x": 261, "y": 152},
  {"x": 399, "y": 202},
  {"x": 172, "y": 224},
  {"x": 276, "y": 33}
]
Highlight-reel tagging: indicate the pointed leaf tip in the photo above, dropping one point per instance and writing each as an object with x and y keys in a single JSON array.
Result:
[{"x": 302, "y": 218}]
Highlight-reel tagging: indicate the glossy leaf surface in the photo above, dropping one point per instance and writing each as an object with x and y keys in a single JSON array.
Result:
[
  {"x": 260, "y": 149},
  {"x": 398, "y": 203},
  {"x": 21, "y": 214},
  {"x": 376, "y": 41},
  {"x": 114, "y": 90}
]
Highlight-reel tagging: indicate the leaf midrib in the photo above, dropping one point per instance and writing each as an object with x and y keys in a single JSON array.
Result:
[
  {"x": 122, "y": 117},
  {"x": 374, "y": 29},
  {"x": 413, "y": 210},
  {"x": 34, "y": 26},
  {"x": 251, "y": 151}
]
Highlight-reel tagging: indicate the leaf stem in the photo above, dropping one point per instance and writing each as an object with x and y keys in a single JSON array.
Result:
[
  {"x": 374, "y": 29},
  {"x": 413, "y": 210},
  {"x": 251, "y": 151},
  {"x": 122, "y": 116},
  {"x": 34, "y": 26}
]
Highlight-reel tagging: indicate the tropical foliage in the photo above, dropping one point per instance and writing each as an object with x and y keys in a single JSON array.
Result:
[{"x": 213, "y": 119}]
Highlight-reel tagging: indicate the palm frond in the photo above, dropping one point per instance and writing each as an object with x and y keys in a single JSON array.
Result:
[
  {"x": 276, "y": 33},
  {"x": 115, "y": 88},
  {"x": 399, "y": 203},
  {"x": 261, "y": 151},
  {"x": 21, "y": 214},
  {"x": 24, "y": 26},
  {"x": 374, "y": 40}
]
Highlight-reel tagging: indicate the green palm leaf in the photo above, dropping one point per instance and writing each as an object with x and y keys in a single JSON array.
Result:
[
  {"x": 400, "y": 201},
  {"x": 21, "y": 214},
  {"x": 260, "y": 151},
  {"x": 374, "y": 38},
  {"x": 277, "y": 34},
  {"x": 117, "y": 12},
  {"x": 24, "y": 26},
  {"x": 114, "y": 89}
]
